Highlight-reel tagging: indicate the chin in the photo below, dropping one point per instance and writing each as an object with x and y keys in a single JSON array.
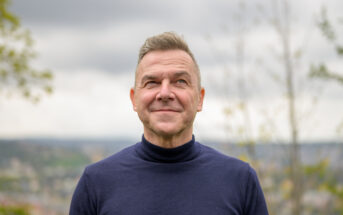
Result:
[{"x": 165, "y": 130}]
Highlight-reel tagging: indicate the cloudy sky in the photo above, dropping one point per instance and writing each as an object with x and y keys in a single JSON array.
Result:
[{"x": 92, "y": 46}]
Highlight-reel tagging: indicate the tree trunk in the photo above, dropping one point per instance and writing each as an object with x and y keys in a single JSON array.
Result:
[{"x": 295, "y": 156}]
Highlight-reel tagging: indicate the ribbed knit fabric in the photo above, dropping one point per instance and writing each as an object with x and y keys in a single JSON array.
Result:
[
  {"x": 145, "y": 179},
  {"x": 153, "y": 153}
]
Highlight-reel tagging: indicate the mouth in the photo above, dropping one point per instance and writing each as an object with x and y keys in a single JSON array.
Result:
[{"x": 165, "y": 110}]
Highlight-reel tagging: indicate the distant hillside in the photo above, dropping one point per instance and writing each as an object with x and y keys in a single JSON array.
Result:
[
  {"x": 44, "y": 172},
  {"x": 76, "y": 152},
  {"x": 39, "y": 155}
]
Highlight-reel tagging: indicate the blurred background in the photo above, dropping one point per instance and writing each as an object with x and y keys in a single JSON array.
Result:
[{"x": 272, "y": 70}]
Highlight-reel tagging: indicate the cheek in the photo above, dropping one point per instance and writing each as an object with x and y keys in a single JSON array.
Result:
[
  {"x": 194, "y": 101},
  {"x": 145, "y": 100},
  {"x": 188, "y": 101}
]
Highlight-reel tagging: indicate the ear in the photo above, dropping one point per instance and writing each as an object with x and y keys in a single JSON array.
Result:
[
  {"x": 132, "y": 97},
  {"x": 201, "y": 99}
]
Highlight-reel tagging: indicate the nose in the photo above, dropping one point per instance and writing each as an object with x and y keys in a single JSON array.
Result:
[{"x": 165, "y": 93}]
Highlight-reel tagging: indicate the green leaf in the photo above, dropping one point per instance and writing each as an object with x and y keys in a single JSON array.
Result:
[
  {"x": 16, "y": 53},
  {"x": 339, "y": 50},
  {"x": 325, "y": 26}
]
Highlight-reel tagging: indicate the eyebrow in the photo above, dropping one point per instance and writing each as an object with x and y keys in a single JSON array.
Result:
[
  {"x": 182, "y": 73},
  {"x": 148, "y": 77},
  {"x": 175, "y": 75}
]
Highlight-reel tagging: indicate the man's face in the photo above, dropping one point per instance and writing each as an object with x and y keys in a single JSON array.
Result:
[{"x": 166, "y": 94}]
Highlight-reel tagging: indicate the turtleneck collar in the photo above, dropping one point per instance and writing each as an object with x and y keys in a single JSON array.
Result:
[{"x": 154, "y": 153}]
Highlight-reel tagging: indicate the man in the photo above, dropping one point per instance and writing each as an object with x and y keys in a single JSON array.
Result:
[{"x": 168, "y": 172}]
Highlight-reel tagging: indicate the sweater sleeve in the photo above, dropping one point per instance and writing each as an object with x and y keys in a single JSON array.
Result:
[
  {"x": 82, "y": 202},
  {"x": 255, "y": 203}
]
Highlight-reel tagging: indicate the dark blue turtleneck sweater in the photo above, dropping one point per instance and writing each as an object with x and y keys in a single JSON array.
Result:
[{"x": 145, "y": 179}]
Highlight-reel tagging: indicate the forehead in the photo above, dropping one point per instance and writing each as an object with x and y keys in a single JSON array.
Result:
[{"x": 165, "y": 61}]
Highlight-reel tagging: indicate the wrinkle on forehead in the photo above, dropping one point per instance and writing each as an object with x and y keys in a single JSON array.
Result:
[{"x": 176, "y": 59}]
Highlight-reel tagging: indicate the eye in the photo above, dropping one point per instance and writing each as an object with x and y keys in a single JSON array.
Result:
[
  {"x": 150, "y": 84},
  {"x": 181, "y": 82}
]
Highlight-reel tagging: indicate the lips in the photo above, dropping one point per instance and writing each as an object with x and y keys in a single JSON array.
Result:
[{"x": 165, "y": 109}]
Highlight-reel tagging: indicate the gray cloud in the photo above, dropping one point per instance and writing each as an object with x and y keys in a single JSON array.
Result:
[
  {"x": 132, "y": 21},
  {"x": 80, "y": 12},
  {"x": 182, "y": 15},
  {"x": 100, "y": 41}
]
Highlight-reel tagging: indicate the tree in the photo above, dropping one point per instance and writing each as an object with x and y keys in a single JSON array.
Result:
[
  {"x": 321, "y": 71},
  {"x": 327, "y": 29},
  {"x": 281, "y": 22},
  {"x": 16, "y": 54},
  {"x": 286, "y": 188}
]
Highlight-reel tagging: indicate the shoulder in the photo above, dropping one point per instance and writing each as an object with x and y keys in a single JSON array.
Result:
[
  {"x": 233, "y": 172},
  {"x": 213, "y": 155},
  {"x": 227, "y": 166},
  {"x": 236, "y": 177}
]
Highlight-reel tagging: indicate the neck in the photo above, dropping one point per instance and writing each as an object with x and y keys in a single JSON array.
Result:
[{"x": 168, "y": 141}]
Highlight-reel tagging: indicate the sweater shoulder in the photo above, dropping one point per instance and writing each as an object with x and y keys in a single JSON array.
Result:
[
  {"x": 239, "y": 172},
  {"x": 224, "y": 160}
]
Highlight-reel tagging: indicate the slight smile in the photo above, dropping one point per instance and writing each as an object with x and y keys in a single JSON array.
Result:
[{"x": 165, "y": 110}]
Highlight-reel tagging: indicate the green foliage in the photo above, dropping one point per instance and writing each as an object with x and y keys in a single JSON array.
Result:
[
  {"x": 321, "y": 71},
  {"x": 319, "y": 169},
  {"x": 325, "y": 26},
  {"x": 339, "y": 50},
  {"x": 321, "y": 177},
  {"x": 336, "y": 190},
  {"x": 14, "y": 210},
  {"x": 327, "y": 29},
  {"x": 16, "y": 54},
  {"x": 8, "y": 183}
]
